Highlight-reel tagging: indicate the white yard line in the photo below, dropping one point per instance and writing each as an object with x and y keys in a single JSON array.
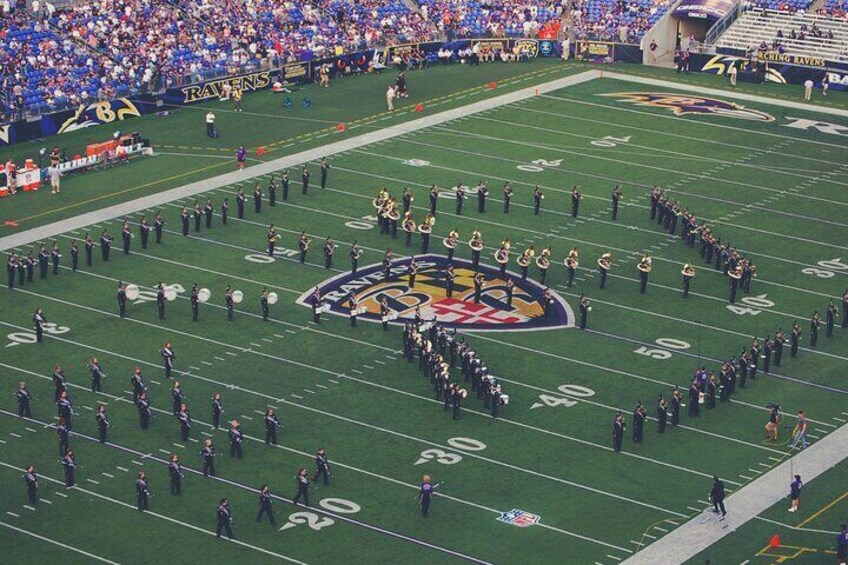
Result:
[{"x": 57, "y": 543}]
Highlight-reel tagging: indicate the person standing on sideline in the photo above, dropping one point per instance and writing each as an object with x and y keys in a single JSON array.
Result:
[
  {"x": 210, "y": 125},
  {"x": 842, "y": 545},
  {"x": 808, "y": 89},
  {"x": 795, "y": 493},
  {"x": 717, "y": 497},
  {"x": 800, "y": 431},
  {"x": 56, "y": 179},
  {"x": 733, "y": 72},
  {"x": 390, "y": 98}
]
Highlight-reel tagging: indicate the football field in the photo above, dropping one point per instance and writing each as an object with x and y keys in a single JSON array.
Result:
[{"x": 540, "y": 483}]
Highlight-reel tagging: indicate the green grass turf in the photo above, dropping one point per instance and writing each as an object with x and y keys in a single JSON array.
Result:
[{"x": 375, "y": 414}]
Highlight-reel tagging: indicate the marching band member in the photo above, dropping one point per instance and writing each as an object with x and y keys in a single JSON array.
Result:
[
  {"x": 197, "y": 216},
  {"x": 524, "y": 261},
  {"x": 482, "y": 193},
  {"x": 24, "y": 398},
  {"x": 168, "y": 357},
  {"x": 543, "y": 261},
  {"x": 502, "y": 257},
  {"x": 450, "y": 277},
  {"x": 408, "y": 227},
  {"x": 616, "y": 199},
  {"x": 510, "y": 289},
  {"x": 779, "y": 340},
  {"x": 265, "y": 501},
  {"x": 272, "y": 192},
  {"x": 228, "y": 301},
  {"x": 407, "y": 199},
  {"x": 240, "y": 201},
  {"x": 571, "y": 264},
  {"x": 257, "y": 198},
  {"x": 618, "y": 427},
  {"x": 142, "y": 492},
  {"x": 59, "y": 383},
  {"x": 450, "y": 242},
  {"x": 207, "y": 453},
  {"x": 102, "y": 423},
  {"x": 185, "y": 421},
  {"x": 175, "y": 470},
  {"x": 507, "y": 197},
  {"x": 217, "y": 410},
  {"x": 604, "y": 264},
  {"x": 303, "y": 245},
  {"x": 89, "y": 252},
  {"x": 236, "y": 438},
  {"x": 688, "y": 273},
  {"x": 304, "y": 180},
  {"x": 434, "y": 200},
  {"x": 322, "y": 467},
  {"x": 177, "y": 398},
  {"x": 55, "y": 256},
  {"x": 476, "y": 244},
  {"x": 830, "y": 316},
  {"x": 355, "y": 255},
  {"x": 426, "y": 228},
  {"x": 644, "y": 267},
  {"x": 122, "y": 299},
  {"x": 734, "y": 277},
  {"x": 639, "y": 415},
  {"x": 263, "y": 303},
  {"x": 207, "y": 211},
  {"x": 548, "y": 302},
  {"x": 316, "y": 306},
  {"x": 302, "y": 482},
  {"x": 584, "y": 311},
  {"x": 413, "y": 271},
  {"x": 65, "y": 408},
  {"x": 284, "y": 185},
  {"x": 272, "y": 238},
  {"x": 144, "y": 410},
  {"x": 384, "y": 313},
  {"x": 38, "y": 321},
  {"x": 815, "y": 323},
  {"x": 479, "y": 283},
  {"x": 537, "y": 199},
  {"x": 353, "y": 306},
  {"x": 393, "y": 216},
  {"x": 329, "y": 249},
  {"x": 662, "y": 414},
  {"x": 271, "y": 425},
  {"x": 69, "y": 463},
  {"x": 11, "y": 270},
  {"x": 575, "y": 201},
  {"x": 459, "y": 191},
  {"x": 43, "y": 257},
  {"x": 144, "y": 231},
  {"x": 184, "y": 220},
  {"x": 387, "y": 265},
  {"x": 194, "y": 298}
]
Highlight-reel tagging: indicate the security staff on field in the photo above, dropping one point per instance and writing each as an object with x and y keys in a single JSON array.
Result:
[
  {"x": 142, "y": 492},
  {"x": 271, "y": 425},
  {"x": 175, "y": 470},
  {"x": 322, "y": 467},
  {"x": 265, "y": 505}
]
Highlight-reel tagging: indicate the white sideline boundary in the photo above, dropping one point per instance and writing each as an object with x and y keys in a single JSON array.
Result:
[
  {"x": 745, "y": 504},
  {"x": 49, "y": 231}
]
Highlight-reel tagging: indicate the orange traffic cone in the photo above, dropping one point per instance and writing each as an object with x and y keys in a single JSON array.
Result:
[
  {"x": 419, "y": 107},
  {"x": 260, "y": 151},
  {"x": 493, "y": 85},
  {"x": 340, "y": 127},
  {"x": 774, "y": 541}
]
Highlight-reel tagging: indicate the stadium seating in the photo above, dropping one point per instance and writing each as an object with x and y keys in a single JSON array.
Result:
[
  {"x": 611, "y": 20},
  {"x": 810, "y": 35}
]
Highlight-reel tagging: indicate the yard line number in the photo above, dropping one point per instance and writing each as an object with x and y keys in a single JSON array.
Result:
[
  {"x": 447, "y": 458},
  {"x": 552, "y": 401},
  {"x": 316, "y": 522},
  {"x": 753, "y": 305},
  {"x": 828, "y": 270},
  {"x": 666, "y": 343}
]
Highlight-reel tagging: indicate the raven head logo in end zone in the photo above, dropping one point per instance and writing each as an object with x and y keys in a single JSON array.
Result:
[
  {"x": 430, "y": 297},
  {"x": 687, "y": 104}
]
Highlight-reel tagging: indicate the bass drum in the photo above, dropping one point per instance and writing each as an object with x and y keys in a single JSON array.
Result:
[
  {"x": 204, "y": 294},
  {"x": 238, "y": 296},
  {"x": 272, "y": 298},
  {"x": 132, "y": 291}
]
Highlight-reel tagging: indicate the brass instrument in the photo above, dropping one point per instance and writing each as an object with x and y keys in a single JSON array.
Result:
[
  {"x": 427, "y": 225},
  {"x": 645, "y": 264},
  {"x": 506, "y": 244},
  {"x": 393, "y": 213},
  {"x": 543, "y": 261},
  {"x": 305, "y": 241},
  {"x": 358, "y": 253},
  {"x": 526, "y": 257},
  {"x": 571, "y": 261},
  {"x": 452, "y": 240},
  {"x": 381, "y": 198},
  {"x": 476, "y": 241},
  {"x": 735, "y": 274},
  {"x": 688, "y": 270},
  {"x": 502, "y": 255},
  {"x": 605, "y": 261}
]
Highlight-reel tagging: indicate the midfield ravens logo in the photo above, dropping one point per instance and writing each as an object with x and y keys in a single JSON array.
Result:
[
  {"x": 430, "y": 297},
  {"x": 520, "y": 518},
  {"x": 687, "y": 104}
]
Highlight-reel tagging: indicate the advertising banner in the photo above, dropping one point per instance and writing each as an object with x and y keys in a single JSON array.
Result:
[{"x": 703, "y": 9}]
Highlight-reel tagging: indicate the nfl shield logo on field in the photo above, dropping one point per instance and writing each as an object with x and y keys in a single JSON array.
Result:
[
  {"x": 520, "y": 518},
  {"x": 429, "y": 297}
]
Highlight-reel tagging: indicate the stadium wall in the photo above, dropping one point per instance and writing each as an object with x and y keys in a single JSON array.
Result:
[{"x": 785, "y": 69}]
